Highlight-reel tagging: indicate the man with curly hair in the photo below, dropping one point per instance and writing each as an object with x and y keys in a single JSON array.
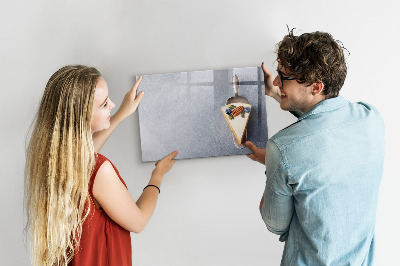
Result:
[{"x": 323, "y": 171}]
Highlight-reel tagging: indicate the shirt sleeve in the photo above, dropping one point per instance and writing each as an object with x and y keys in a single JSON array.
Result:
[{"x": 277, "y": 209}]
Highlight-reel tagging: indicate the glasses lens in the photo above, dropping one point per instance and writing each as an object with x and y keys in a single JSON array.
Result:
[{"x": 280, "y": 78}]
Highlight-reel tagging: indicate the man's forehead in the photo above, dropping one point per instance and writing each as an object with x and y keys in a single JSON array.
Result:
[{"x": 283, "y": 70}]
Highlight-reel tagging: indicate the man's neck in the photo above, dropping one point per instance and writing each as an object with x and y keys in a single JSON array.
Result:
[{"x": 316, "y": 100}]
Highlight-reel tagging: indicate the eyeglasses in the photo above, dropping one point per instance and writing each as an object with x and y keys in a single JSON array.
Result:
[{"x": 282, "y": 78}]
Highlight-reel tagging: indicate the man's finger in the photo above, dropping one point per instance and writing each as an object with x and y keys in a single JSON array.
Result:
[
  {"x": 251, "y": 145},
  {"x": 251, "y": 156},
  {"x": 265, "y": 69}
]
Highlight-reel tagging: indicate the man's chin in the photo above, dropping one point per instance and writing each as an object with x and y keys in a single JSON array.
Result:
[{"x": 285, "y": 108}]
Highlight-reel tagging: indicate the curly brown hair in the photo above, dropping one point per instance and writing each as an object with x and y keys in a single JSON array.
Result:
[{"x": 314, "y": 57}]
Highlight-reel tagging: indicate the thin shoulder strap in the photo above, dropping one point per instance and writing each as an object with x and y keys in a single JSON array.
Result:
[{"x": 100, "y": 159}]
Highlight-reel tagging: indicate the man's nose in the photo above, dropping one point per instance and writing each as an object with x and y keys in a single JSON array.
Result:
[{"x": 277, "y": 81}]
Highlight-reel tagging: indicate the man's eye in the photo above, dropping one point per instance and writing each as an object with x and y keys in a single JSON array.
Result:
[{"x": 105, "y": 104}]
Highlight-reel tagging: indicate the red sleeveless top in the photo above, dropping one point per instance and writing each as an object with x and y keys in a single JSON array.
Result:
[{"x": 103, "y": 241}]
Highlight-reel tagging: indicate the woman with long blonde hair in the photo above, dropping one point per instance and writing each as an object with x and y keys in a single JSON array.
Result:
[{"x": 79, "y": 211}]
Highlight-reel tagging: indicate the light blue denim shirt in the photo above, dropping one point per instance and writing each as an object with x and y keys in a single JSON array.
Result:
[{"x": 323, "y": 176}]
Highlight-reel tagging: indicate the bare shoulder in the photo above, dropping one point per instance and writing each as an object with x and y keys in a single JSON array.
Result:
[
  {"x": 106, "y": 170},
  {"x": 106, "y": 180},
  {"x": 114, "y": 198}
]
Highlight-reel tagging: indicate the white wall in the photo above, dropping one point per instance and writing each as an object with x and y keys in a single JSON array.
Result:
[{"x": 208, "y": 211}]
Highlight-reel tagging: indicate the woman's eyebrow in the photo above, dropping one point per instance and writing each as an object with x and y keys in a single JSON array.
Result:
[{"x": 104, "y": 101}]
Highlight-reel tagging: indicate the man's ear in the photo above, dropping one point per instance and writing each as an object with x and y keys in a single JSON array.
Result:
[{"x": 317, "y": 88}]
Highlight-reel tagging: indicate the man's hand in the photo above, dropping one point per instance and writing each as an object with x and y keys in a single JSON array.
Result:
[
  {"x": 259, "y": 154},
  {"x": 270, "y": 89}
]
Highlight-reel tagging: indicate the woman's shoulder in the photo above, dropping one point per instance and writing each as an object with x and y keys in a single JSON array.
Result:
[
  {"x": 102, "y": 164},
  {"x": 105, "y": 167},
  {"x": 99, "y": 161}
]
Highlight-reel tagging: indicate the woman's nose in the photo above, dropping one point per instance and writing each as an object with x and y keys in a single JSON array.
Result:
[{"x": 112, "y": 105}]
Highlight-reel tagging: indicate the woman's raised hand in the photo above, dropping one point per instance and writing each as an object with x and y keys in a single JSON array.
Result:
[{"x": 131, "y": 100}]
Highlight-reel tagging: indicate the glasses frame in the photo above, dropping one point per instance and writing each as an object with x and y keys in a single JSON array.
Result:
[{"x": 282, "y": 78}]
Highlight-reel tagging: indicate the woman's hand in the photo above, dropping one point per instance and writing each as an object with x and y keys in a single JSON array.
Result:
[
  {"x": 164, "y": 165},
  {"x": 131, "y": 101},
  {"x": 128, "y": 107},
  {"x": 112, "y": 195},
  {"x": 270, "y": 89}
]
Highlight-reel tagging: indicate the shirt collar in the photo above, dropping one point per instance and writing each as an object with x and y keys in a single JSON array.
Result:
[{"x": 325, "y": 106}]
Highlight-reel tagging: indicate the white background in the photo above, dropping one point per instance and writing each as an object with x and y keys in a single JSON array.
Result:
[{"x": 208, "y": 208}]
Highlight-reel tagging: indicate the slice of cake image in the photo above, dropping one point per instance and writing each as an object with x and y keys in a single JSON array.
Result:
[{"x": 237, "y": 115}]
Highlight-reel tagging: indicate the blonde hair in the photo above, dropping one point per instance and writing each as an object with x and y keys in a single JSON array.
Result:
[{"x": 60, "y": 159}]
